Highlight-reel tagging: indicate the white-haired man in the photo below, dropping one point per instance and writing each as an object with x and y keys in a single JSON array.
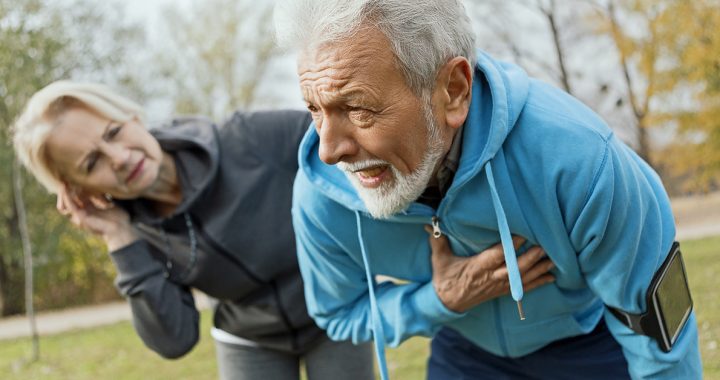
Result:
[{"x": 412, "y": 128}]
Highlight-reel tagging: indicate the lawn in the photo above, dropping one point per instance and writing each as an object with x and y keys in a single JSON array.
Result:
[{"x": 115, "y": 352}]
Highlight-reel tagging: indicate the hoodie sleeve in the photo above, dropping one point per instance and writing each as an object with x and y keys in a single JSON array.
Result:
[
  {"x": 622, "y": 234},
  {"x": 164, "y": 313},
  {"x": 336, "y": 289}
]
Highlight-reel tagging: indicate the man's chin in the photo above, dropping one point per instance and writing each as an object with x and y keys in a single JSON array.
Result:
[{"x": 382, "y": 206}]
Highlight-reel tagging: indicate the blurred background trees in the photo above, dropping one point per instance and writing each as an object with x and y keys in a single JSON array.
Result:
[{"x": 650, "y": 67}]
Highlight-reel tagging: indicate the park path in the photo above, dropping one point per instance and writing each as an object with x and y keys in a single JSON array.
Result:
[
  {"x": 53, "y": 322},
  {"x": 696, "y": 217}
]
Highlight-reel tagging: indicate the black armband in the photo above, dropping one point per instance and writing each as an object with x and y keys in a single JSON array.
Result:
[{"x": 669, "y": 303}]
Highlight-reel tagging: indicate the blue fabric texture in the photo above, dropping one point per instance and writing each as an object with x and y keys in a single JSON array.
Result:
[
  {"x": 593, "y": 356},
  {"x": 536, "y": 163}
]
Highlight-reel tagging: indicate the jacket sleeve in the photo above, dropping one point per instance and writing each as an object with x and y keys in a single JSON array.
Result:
[
  {"x": 164, "y": 313},
  {"x": 336, "y": 289},
  {"x": 622, "y": 233}
]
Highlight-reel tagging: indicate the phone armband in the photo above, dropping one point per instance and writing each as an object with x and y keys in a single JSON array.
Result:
[{"x": 669, "y": 303}]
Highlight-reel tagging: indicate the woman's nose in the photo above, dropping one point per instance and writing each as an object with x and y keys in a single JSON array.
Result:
[{"x": 119, "y": 155}]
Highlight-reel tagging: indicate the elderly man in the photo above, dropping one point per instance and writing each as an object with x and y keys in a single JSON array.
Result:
[{"x": 413, "y": 128}]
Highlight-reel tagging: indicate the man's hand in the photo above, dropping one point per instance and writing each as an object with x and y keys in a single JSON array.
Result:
[{"x": 464, "y": 282}]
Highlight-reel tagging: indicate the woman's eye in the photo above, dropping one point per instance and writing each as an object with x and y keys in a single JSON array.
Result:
[
  {"x": 92, "y": 160},
  {"x": 114, "y": 131}
]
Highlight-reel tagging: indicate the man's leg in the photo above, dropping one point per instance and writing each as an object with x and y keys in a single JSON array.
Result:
[
  {"x": 595, "y": 355},
  {"x": 238, "y": 362},
  {"x": 340, "y": 360}
]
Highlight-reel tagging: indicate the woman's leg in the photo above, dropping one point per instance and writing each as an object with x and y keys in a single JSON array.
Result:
[
  {"x": 237, "y": 362},
  {"x": 340, "y": 360}
]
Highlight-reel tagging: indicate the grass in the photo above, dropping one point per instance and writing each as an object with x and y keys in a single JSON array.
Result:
[{"x": 115, "y": 352}]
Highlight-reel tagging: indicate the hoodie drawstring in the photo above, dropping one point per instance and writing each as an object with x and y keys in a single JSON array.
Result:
[
  {"x": 516, "y": 289},
  {"x": 377, "y": 326}
]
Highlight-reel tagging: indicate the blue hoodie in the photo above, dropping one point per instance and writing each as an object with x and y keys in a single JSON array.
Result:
[{"x": 535, "y": 162}]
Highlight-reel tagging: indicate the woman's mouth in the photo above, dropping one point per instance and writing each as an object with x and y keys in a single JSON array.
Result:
[{"x": 136, "y": 171}]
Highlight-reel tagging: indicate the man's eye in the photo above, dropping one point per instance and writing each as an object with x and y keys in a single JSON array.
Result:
[
  {"x": 312, "y": 108},
  {"x": 360, "y": 114}
]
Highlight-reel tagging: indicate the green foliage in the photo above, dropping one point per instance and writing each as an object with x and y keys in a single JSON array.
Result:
[
  {"x": 40, "y": 42},
  {"x": 110, "y": 352},
  {"x": 695, "y": 153}
]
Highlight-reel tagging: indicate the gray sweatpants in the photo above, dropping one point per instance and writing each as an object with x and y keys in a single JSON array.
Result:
[{"x": 327, "y": 361}]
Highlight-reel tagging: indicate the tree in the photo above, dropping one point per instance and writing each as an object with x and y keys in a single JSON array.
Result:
[
  {"x": 558, "y": 42},
  {"x": 694, "y": 68},
  {"x": 638, "y": 39},
  {"x": 222, "y": 51},
  {"x": 28, "y": 259}
]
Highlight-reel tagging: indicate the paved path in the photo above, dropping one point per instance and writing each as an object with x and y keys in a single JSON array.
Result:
[
  {"x": 53, "y": 322},
  {"x": 696, "y": 218}
]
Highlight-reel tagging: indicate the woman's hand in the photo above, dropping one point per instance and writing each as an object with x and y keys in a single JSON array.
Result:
[
  {"x": 464, "y": 282},
  {"x": 97, "y": 215}
]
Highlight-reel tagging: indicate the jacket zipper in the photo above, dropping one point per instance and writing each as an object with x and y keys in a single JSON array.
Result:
[
  {"x": 437, "y": 232},
  {"x": 436, "y": 227}
]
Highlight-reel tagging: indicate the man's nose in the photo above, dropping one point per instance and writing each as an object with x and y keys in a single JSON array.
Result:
[
  {"x": 119, "y": 155},
  {"x": 336, "y": 139}
]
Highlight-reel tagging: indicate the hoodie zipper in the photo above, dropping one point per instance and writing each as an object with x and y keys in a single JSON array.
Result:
[
  {"x": 499, "y": 327},
  {"x": 436, "y": 226},
  {"x": 437, "y": 232}
]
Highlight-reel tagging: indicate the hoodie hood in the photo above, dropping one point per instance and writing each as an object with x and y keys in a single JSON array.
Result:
[{"x": 193, "y": 144}]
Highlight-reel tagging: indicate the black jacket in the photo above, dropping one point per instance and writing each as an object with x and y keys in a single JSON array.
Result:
[{"x": 237, "y": 189}]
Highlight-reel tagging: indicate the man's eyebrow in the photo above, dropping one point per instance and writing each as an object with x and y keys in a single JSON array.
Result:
[{"x": 85, "y": 157}]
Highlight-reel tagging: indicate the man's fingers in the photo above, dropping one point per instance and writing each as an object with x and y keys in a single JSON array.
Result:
[
  {"x": 538, "y": 270},
  {"x": 491, "y": 257},
  {"x": 518, "y": 241},
  {"x": 538, "y": 282},
  {"x": 530, "y": 258}
]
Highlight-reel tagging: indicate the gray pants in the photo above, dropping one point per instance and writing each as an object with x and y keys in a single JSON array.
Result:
[{"x": 327, "y": 361}]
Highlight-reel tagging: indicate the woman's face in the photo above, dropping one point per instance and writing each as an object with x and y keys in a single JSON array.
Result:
[{"x": 103, "y": 156}]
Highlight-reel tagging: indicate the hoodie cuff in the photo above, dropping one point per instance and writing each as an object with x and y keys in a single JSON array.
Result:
[
  {"x": 429, "y": 304},
  {"x": 134, "y": 258}
]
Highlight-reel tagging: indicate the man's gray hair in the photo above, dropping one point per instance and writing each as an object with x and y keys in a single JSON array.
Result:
[{"x": 423, "y": 34}]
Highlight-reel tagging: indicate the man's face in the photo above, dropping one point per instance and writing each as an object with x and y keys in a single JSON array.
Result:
[{"x": 369, "y": 121}]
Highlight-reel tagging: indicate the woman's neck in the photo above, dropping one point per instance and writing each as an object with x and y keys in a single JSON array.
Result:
[{"x": 166, "y": 192}]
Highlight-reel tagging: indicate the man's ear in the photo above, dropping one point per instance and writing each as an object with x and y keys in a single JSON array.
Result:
[{"x": 454, "y": 87}]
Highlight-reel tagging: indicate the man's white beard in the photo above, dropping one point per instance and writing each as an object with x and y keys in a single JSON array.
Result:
[{"x": 394, "y": 196}]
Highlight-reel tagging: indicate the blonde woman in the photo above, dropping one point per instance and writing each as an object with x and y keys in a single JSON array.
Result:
[{"x": 189, "y": 205}]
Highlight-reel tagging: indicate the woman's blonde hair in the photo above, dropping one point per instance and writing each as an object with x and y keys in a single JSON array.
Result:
[{"x": 32, "y": 128}]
